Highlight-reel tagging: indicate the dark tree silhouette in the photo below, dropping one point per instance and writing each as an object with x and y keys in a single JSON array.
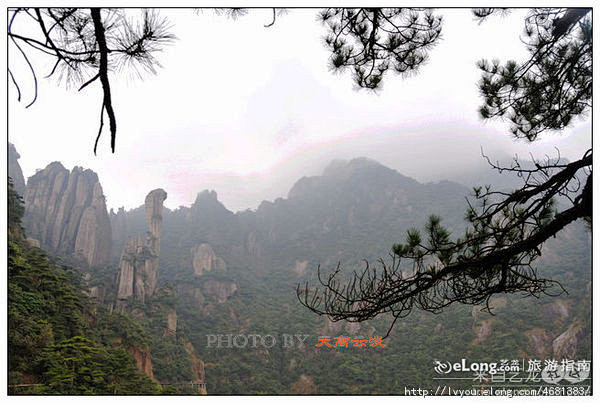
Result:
[
  {"x": 87, "y": 45},
  {"x": 505, "y": 230},
  {"x": 553, "y": 85},
  {"x": 370, "y": 41},
  {"x": 236, "y": 12}
]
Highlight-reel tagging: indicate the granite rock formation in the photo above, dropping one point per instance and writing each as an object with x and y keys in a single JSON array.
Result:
[
  {"x": 565, "y": 345},
  {"x": 122, "y": 229},
  {"x": 14, "y": 170},
  {"x": 142, "y": 359},
  {"x": 171, "y": 321},
  {"x": 141, "y": 353},
  {"x": 197, "y": 367},
  {"x": 138, "y": 267},
  {"x": 556, "y": 310},
  {"x": 154, "y": 207},
  {"x": 34, "y": 243},
  {"x": 205, "y": 260},
  {"x": 66, "y": 212}
]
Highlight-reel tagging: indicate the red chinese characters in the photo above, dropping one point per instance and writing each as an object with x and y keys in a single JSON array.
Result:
[{"x": 346, "y": 342}]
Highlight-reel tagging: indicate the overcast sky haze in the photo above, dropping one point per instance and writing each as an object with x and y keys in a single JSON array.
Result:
[{"x": 248, "y": 110}]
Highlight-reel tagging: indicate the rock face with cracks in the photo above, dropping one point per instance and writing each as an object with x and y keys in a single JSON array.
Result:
[
  {"x": 138, "y": 267},
  {"x": 205, "y": 260},
  {"x": 66, "y": 212},
  {"x": 14, "y": 170}
]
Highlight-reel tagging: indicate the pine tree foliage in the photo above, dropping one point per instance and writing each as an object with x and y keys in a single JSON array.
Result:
[
  {"x": 550, "y": 88},
  {"x": 52, "y": 346},
  {"x": 78, "y": 366},
  {"x": 16, "y": 209},
  {"x": 371, "y": 41},
  {"x": 505, "y": 231},
  {"x": 86, "y": 45}
]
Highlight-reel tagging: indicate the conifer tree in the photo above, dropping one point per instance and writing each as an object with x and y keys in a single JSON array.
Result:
[
  {"x": 85, "y": 46},
  {"x": 505, "y": 230}
]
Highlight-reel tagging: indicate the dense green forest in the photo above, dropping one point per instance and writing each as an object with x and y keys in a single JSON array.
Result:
[{"x": 56, "y": 344}]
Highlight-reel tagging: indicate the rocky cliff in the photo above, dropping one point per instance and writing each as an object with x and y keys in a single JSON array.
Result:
[
  {"x": 565, "y": 345},
  {"x": 205, "y": 260},
  {"x": 171, "y": 321},
  {"x": 154, "y": 206},
  {"x": 138, "y": 267},
  {"x": 125, "y": 225},
  {"x": 14, "y": 170},
  {"x": 197, "y": 364},
  {"x": 66, "y": 212},
  {"x": 142, "y": 360}
]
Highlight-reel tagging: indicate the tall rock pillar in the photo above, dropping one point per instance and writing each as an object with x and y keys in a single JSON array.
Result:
[
  {"x": 138, "y": 268},
  {"x": 154, "y": 205}
]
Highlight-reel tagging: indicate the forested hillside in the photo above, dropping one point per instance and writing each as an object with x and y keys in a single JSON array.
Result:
[
  {"x": 57, "y": 343},
  {"x": 225, "y": 273}
]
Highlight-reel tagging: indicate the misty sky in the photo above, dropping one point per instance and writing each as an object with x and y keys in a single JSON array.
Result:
[{"x": 247, "y": 110}]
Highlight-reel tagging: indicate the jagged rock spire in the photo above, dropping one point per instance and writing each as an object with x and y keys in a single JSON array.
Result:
[{"x": 138, "y": 268}]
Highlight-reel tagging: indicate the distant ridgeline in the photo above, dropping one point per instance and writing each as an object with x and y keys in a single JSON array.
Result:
[{"x": 168, "y": 279}]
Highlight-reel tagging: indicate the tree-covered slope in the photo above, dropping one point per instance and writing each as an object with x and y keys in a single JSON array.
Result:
[
  {"x": 356, "y": 210},
  {"x": 54, "y": 343},
  {"x": 225, "y": 273}
]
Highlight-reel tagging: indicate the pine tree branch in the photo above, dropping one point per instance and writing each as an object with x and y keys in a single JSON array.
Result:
[{"x": 103, "y": 73}]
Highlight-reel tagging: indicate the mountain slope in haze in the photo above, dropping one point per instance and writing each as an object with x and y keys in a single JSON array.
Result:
[
  {"x": 355, "y": 210},
  {"x": 321, "y": 215},
  {"x": 236, "y": 273}
]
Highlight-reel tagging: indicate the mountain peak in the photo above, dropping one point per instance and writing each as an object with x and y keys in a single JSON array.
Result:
[
  {"x": 339, "y": 166},
  {"x": 206, "y": 195},
  {"x": 345, "y": 175},
  {"x": 207, "y": 201}
]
